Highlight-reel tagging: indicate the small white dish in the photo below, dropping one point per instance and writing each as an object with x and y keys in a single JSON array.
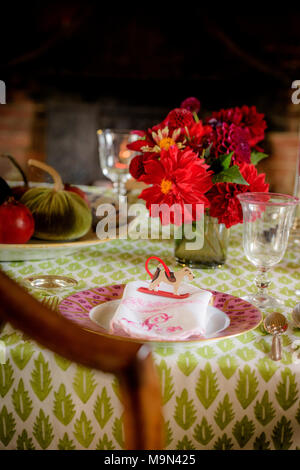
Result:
[{"x": 102, "y": 315}]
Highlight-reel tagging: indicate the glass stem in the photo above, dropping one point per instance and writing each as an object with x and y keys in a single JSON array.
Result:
[
  {"x": 119, "y": 188},
  {"x": 262, "y": 281}
]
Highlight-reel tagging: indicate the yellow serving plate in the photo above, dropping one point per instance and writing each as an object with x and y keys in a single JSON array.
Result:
[{"x": 40, "y": 250}]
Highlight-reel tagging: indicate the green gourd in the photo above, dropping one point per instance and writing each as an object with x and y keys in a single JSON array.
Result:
[{"x": 58, "y": 214}]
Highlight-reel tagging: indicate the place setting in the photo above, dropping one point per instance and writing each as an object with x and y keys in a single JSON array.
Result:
[{"x": 139, "y": 312}]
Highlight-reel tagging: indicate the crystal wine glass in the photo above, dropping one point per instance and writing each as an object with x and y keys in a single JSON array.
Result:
[
  {"x": 268, "y": 218},
  {"x": 115, "y": 157},
  {"x": 295, "y": 230}
]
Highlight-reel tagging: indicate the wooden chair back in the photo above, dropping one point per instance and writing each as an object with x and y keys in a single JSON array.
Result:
[{"x": 130, "y": 362}]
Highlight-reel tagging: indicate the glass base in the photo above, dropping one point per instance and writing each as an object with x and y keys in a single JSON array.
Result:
[
  {"x": 51, "y": 282},
  {"x": 199, "y": 264},
  {"x": 264, "y": 301}
]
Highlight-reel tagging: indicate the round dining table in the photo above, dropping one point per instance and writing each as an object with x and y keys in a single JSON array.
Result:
[{"x": 222, "y": 394}]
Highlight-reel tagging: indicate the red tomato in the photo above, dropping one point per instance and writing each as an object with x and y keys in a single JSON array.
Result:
[{"x": 16, "y": 222}]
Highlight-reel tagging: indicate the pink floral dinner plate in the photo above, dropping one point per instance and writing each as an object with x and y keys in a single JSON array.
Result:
[{"x": 76, "y": 308}]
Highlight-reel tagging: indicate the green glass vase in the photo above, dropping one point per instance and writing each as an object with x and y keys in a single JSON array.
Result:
[{"x": 214, "y": 250}]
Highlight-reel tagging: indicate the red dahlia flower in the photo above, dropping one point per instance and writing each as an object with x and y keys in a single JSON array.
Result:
[
  {"x": 246, "y": 117},
  {"x": 179, "y": 118},
  {"x": 145, "y": 139},
  {"x": 225, "y": 206},
  {"x": 179, "y": 177},
  {"x": 191, "y": 104},
  {"x": 228, "y": 138},
  {"x": 137, "y": 165},
  {"x": 195, "y": 135},
  {"x": 157, "y": 138}
]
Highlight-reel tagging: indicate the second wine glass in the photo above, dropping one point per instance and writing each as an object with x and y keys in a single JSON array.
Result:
[
  {"x": 115, "y": 157},
  {"x": 268, "y": 218}
]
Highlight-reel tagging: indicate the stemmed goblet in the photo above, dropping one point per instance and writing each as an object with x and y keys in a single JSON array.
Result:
[
  {"x": 268, "y": 218},
  {"x": 115, "y": 157}
]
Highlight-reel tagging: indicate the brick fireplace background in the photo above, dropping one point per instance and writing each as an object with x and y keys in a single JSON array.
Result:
[{"x": 73, "y": 67}]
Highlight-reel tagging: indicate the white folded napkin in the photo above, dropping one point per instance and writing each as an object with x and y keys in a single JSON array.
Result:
[{"x": 157, "y": 318}]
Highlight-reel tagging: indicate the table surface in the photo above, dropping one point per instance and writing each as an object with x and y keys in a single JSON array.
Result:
[{"x": 225, "y": 394}]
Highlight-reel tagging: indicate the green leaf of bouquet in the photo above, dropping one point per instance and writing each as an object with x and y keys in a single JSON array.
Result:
[
  {"x": 243, "y": 431},
  {"x": 6, "y": 378},
  {"x": 230, "y": 175},
  {"x": 103, "y": 409},
  {"x": 21, "y": 354},
  {"x": 264, "y": 410},
  {"x": 65, "y": 443},
  {"x": 7, "y": 426},
  {"x": 24, "y": 442},
  {"x": 41, "y": 378},
  {"x": 224, "y": 413},
  {"x": 247, "y": 387},
  {"x": 282, "y": 434},
  {"x": 207, "y": 151},
  {"x": 187, "y": 362},
  {"x": 43, "y": 430},
  {"x": 105, "y": 444},
  {"x": 203, "y": 432},
  {"x": 84, "y": 383},
  {"x": 228, "y": 365},
  {"x": 223, "y": 443},
  {"x": 225, "y": 160},
  {"x": 185, "y": 444},
  {"x": 167, "y": 387},
  {"x": 83, "y": 431},
  {"x": 21, "y": 401},
  {"x": 63, "y": 408},
  {"x": 287, "y": 392},
  {"x": 256, "y": 157},
  {"x": 185, "y": 412},
  {"x": 117, "y": 431},
  {"x": 207, "y": 386},
  {"x": 261, "y": 443}
]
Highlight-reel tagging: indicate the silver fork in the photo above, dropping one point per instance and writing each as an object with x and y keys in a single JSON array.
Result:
[{"x": 51, "y": 302}]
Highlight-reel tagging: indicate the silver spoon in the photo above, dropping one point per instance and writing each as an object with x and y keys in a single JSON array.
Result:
[
  {"x": 276, "y": 324},
  {"x": 296, "y": 315}
]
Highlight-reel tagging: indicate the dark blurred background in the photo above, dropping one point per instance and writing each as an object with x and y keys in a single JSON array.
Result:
[{"x": 73, "y": 67}]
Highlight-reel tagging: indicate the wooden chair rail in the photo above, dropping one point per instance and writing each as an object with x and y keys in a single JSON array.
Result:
[{"x": 130, "y": 362}]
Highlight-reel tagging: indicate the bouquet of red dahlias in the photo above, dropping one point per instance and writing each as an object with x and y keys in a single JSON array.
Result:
[{"x": 188, "y": 161}]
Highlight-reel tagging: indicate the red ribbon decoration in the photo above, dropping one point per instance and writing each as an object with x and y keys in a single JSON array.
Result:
[{"x": 158, "y": 259}]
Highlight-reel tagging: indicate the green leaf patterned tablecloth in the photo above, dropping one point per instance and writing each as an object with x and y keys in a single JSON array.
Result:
[{"x": 225, "y": 394}]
